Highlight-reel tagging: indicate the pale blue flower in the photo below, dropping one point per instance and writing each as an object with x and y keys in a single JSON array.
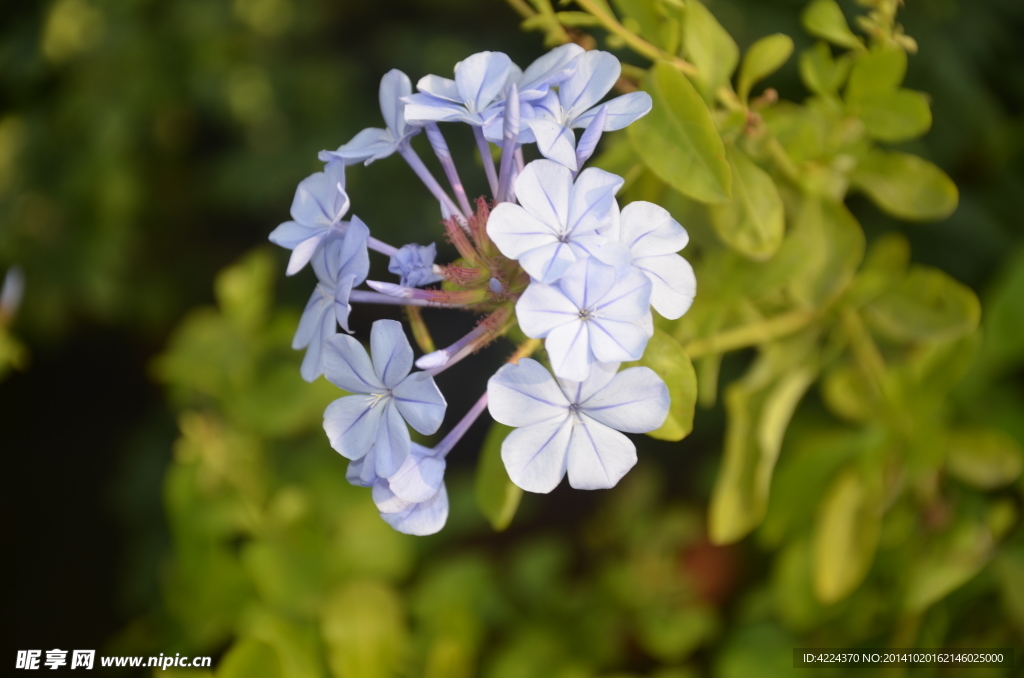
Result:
[
  {"x": 372, "y": 424},
  {"x": 595, "y": 313},
  {"x": 374, "y": 143},
  {"x": 473, "y": 97},
  {"x": 319, "y": 204},
  {"x": 575, "y": 106},
  {"x": 573, "y": 426},
  {"x": 557, "y": 221},
  {"x": 340, "y": 263},
  {"x": 414, "y": 500},
  {"x": 653, "y": 238},
  {"x": 415, "y": 264}
]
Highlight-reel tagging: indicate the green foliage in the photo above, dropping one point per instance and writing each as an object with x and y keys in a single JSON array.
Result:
[
  {"x": 667, "y": 358},
  {"x": 496, "y": 495}
]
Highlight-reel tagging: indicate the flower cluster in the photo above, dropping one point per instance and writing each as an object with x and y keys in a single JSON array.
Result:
[{"x": 550, "y": 252}]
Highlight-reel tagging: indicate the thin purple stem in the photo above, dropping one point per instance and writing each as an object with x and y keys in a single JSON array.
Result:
[
  {"x": 428, "y": 179},
  {"x": 382, "y": 247},
  {"x": 508, "y": 148},
  {"x": 520, "y": 160},
  {"x": 488, "y": 160},
  {"x": 444, "y": 155},
  {"x": 455, "y": 435},
  {"x": 444, "y": 358},
  {"x": 365, "y": 297}
]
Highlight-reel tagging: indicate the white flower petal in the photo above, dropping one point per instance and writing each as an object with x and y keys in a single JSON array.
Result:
[
  {"x": 596, "y": 73},
  {"x": 514, "y": 231},
  {"x": 621, "y": 111},
  {"x": 673, "y": 285},
  {"x": 568, "y": 347},
  {"x": 421, "y": 519},
  {"x": 313, "y": 362},
  {"x": 587, "y": 281},
  {"x": 392, "y": 354},
  {"x": 579, "y": 391},
  {"x": 320, "y": 199},
  {"x": 342, "y": 307},
  {"x": 636, "y": 400},
  {"x": 617, "y": 340},
  {"x": 480, "y": 78},
  {"x": 598, "y": 456},
  {"x": 347, "y": 366},
  {"x": 351, "y": 425},
  {"x": 360, "y": 474},
  {"x": 392, "y": 444},
  {"x": 393, "y": 86},
  {"x": 289, "y": 234},
  {"x": 535, "y": 455},
  {"x": 555, "y": 141},
  {"x": 424, "y": 108},
  {"x": 420, "y": 476},
  {"x": 524, "y": 394},
  {"x": 648, "y": 229},
  {"x": 420, "y": 402},
  {"x": 591, "y": 200},
  {"x": 304, "y": 251},
  {"x": 441, "y": 88},
  {"x": 627, "y": 299},
  {"x": 312, "y": 315},
  {"x": 542, "y": 308},
  {"x": 549, "y": 262},
  {"x": 548, "y": 70},
  {"x": 543, "y": 190},
  {"x": 370, "y": 143}
]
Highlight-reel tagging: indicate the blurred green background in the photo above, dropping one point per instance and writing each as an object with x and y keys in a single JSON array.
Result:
[{"x": 169, "y": 488}]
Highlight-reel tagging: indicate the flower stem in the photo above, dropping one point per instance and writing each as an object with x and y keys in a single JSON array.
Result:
[
  {"x": 508, "y": 148},
  {"x": 487, "y": 159},
  {"x": 750, "y": 335},
  {"x": 455, "y": 435},
  {"x": 365, "y": 297},
  {"x": 382, "y": 247},
  {"x": 638, "y": 44},
  {"x": 428, "y": 179},
  {"x": 444, "y": 155},
  {"x": 420, "y": 332},
  {"x": 490, "y": 328}
]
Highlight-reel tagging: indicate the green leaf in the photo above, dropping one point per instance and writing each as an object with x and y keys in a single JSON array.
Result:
[
  {"x": 947, "y": 566},
  {"x": 364, "y": 629},
  {"x": 906, "y": 186},
  {"x": 710, "y": 47},
  {"x": 496, "y": 495},
  {"x": 762, "y": 59},
  {"x": 678, "y": 140},
  {"x": 672, "y": 633},
  {"x": 820, "y": 72},
  {"x": 828, "y": 244},
  {"x": 824, "y": 19},
  {"x": 577, "y": 19},
  {"x": 667, "y": 358},
  {"x": 645, "y": 14},
  {"x": 846, "y": 533},
  {"x": 984, "y": 458},
  {"x": 880, "y": 70},
  {"x": 249, "y": 658},
  {"x": 848, "y": 394},
  {"x": 927, "y": 305},
  {"x": 894, "y": 116},
  {"x": 753, "y": 222},
  {"x": 758, "y": 409}
]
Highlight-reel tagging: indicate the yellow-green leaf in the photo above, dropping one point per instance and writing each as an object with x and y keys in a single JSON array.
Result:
[
  {"x": 496, "y": 495},
  {"x": 820, "y": 72},
  {"x": 678, "y": 139},
  {"x": 363, "y": 627},
  {"x": 829, "y": 244},
  {"x": 984, "y": 458},
  {"x": 249, "y": 658},
  {"x": 950, "y": 563},
  {"x": 762, "y": 59},
  {"x": 758, "y": 413},
  {"x": 927, "y": 304},
  {"x": 906, "y": 186},
  {"x": 900, "y": 115},
  {"x": 824, "y": 19},
  {"x": 880, "y": 70},
  {"x": 753, "y": 222},
  {"x": 846, "y": 532},
  {"x": 667, "y": 358},
  {"x": 710, "y": 47}
]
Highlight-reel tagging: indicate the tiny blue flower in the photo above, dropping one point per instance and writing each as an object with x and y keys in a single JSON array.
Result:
[
  {"x": 374, "y": 143},
  {"x": 595, "y": 313},
  {"x": 415, "y": 264},
  {"x": 319, "y": 204},
  {"x": 573, "y": 426},
  {"x": 414, "y": 500},
  {"x": 553, "y": 118},
  {"x": 340, "y": 263},
  {"x": 473, "y": 97},
  {"x": 557, "y": 221},
  {"x": 372, "y": 424}
]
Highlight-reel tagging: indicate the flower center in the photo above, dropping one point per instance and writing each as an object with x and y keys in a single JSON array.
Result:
[
  {"x": 586, "y": 314},
  {"x": 375, "y": 398}
]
